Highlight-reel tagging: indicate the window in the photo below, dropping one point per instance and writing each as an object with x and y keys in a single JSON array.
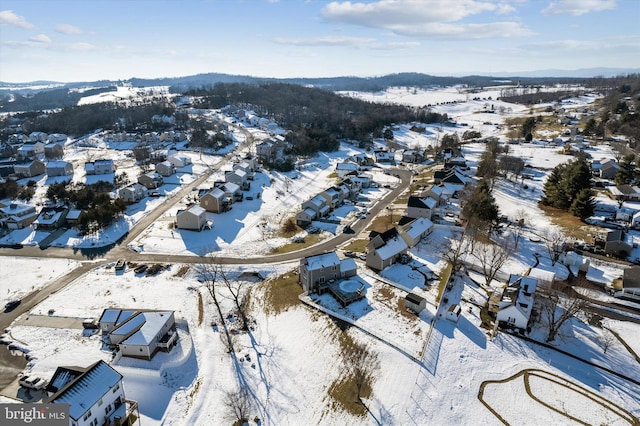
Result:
[
  {"x": 321, "y": 280},
  {"x": 116, "y": 388},
  {"x": 107, "y": 409},
  {"x": 86, "y": 415}
]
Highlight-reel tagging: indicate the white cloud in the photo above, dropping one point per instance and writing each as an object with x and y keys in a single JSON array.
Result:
[
  {"x": 40, "y": 39},
  {"x": 82, "y": 47},
  {"x": 7, "y": 17},
  {"x": 427, "y": 18},
  {"x": 325, "y": 41},
  {"x": 68, "y": 29},
  {"x": 578, "y": 7}
]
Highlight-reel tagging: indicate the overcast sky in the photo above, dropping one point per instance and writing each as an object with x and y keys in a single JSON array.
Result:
[{"x": 86, "y": 40}]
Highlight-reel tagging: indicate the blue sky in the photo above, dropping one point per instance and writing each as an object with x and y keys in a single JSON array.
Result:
[{"x": 85, "y": 40}]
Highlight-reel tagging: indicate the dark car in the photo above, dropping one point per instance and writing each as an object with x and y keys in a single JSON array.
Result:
[{"x": 10, "y": 306}]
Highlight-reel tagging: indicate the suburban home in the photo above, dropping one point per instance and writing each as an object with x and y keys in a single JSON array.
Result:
[
  {"x": 246, "y": 167},
  {"x": 420, "y": 207},
  {"x": 412, "y": 156},
  {"x": 333, "y": 196},
  {"x": 179, "y": 160},
  {"x": 193, "y": 219},
  {"x": 344, "y": 168},
  {"x": 623, "y": 192},
  {"x": 608, "y": 170},
  {"x": 51, "y": 218},
  {"x": 99, "y": 167},
  {"x": 318, "y": 205},
  {"x": 53, "y": 150},
  {"x": 383, "y": 156},
  {"x": 31, "y": 149},
  {"x": 415, "y": 230},
  {"x": 630, "y": 283},
  {"x": 239, "y": 177},
  {"x": 151, "y": 180},
  {"x": 323, "y": 268},
  {"x": 362, "y": 160},
  {"x": 512, "y": 304},
  {"x": 625, "y": 214},
  {"x": 305, "y": 217},
  {"x": 616, "y": 245},
  {"x": 30, "y": 169},
  {"x": 132, "y": 193},
  {"x": 231, "y": 190},
  {"x": 139, "y": 333},
  {"x": 216, "y": 201},
  {"x": 414, "y": 303},
  {"x": 165, "y": 168},
  {"x": 385, "y": 249},
  {"x": 95, "y": 395},
  {"x": 37, "y": 137},
  {"x": 363, "y": 179},
  {"x": 436, "y": 192},
  {"x": 59, "y": 168},
  {"x": 17, "y": 216}
]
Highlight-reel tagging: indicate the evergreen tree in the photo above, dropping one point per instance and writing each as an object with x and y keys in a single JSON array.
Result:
[
  {"x": 565, "y": 183},
  {"x": 625, "y": 173},
  {"x": 481, "y": 206},
  {"x": 584, "y": 204}
]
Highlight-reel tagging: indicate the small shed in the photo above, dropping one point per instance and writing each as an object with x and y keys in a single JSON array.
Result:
[
  {"x": 415, "y": 303},
  {"x": 454, "y": 312}
]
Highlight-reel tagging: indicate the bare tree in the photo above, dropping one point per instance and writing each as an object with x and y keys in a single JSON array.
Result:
[
  {"x": 553, "y": 239},
  {"x": 492, "y": 257},
  {"x": 211, "y": 274},
  {"x": 238, "y": 404},
  {"x": 557, "y": 308},
  {"x": 456, "y": 249},
  {"x": 607, "y": 339},
  {"x": 237, "y": 294},
  {"x": 362, "y": 365},
  {"x": 520, "y": 219}
]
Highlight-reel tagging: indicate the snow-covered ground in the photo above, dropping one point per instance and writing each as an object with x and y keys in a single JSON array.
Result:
[{"x": 432, "y": 370}]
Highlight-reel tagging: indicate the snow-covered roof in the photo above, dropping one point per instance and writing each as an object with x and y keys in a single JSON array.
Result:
[
  {"x": 57, "y": 164},
  {"x": 153, "y": 323},
  {"x": 322, "y": 261},
  {"x": 419, "y": 227},
  {"x": 197, "y": 210},
  {"x": 393, "y": 247},
  {"x": 348, "y": 264},
  {"x": 87, "y": 389}
]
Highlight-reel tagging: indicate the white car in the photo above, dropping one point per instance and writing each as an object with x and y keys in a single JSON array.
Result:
[{"x": 32, "y": 382}]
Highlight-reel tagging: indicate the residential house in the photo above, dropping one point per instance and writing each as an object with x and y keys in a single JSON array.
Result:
[
  {"x": 605, "y": 170},
  {"x": 383, "y": 156},
  {"x": 132, "y": 193},
  {"x": 30, "y": 169},
  {"x": 625, "y": 214},
  {"x": 412, "y": 156},
  {"x": 216, "y": 201},
  {"x": 139, "y": 333},
  {"x": 420, "y": 207},
  {"x": 362, "y": 160},
  {"x": 345, "y": 168},
  {"x": 385, "y": 249},
  {"x": 414, "y": 303},
  {"x": 616, "y": 245},
  {"x": 51, "y": 218},
  {"x": 231, "y": 190},
  {"x": 630, "y": 283},
  {"x": 31, "y": 150},
  {"x": 416, "y": 230},
  {"x": 59, "y": 168},
  {"x": 364, "y": 180},
  {"x": 317, "y": 270},
  {"x": 151, "y": 180},
  {"x": 239, "y": 177},
  {"x": 17, "y": 216},
  {"x": 512, "y": 305},
  {"x": 318, "y": 204},
  {"x": 37, "y": 137},
  {"x": 333, "y": 196},
  {"x": 73, "y": 216},
  {"x": 245, "y": 167},
  {"x": 179, "y": 160},
  {"x": 165, "y": 168},
  {"x": 305, "y": 217},
  {"x": 193, "y": 219},
  {"x": 54, "y": 150},
  {"x": 99, "y": 167},
  {"x": 624, "y": 192},
  {"x": 436, "y": 192},
  {"x": 95, "y": 395}
]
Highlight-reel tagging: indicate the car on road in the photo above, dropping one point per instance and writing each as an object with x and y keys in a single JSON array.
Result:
[
  {"x": 32, "y": 382},
  {"x": 10, "y": 306},
  {"x": 90, "y": 324}
]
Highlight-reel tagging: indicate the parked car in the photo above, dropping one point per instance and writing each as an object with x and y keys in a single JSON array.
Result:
[
  {"x": 10, "y": 306},
  {"x": 32, "y": 382},
  {"x": 120, "y": 265}
]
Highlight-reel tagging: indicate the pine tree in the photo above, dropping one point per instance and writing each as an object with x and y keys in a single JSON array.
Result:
[
  {"x": 584, "y": 204},
  {"x": 625, "y": 173}
]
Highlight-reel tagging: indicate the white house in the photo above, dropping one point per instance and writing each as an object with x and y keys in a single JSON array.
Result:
[
  {"x": 165, "y": 168},
  {"x": 59, "y": 168},
  {"x": 420, "y": 207},
  {"x": 322, "y": 268},
  {"x": 344, "y": 168},
  {"x": 132, "y": 193},
  {"x": 179, "y": 160},
  {"x": 512, "y": 304},
  {"x": 415, "y": 230},
  {"x": 95, "y": 395},
  {"x": 194, "y": 218},
  {"x": 139, "y": 333},
  {"x": 99, "y": 167},
  {"x": 385, "y": 249}
]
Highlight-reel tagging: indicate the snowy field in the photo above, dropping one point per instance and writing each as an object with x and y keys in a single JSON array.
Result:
[{"x": 432, "y": 370}]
